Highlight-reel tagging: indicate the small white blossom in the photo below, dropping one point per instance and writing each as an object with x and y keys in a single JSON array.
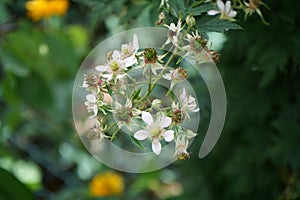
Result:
[
  {"x": 91, "y": 104},
  {"x": 225, "y": 10},
  {"x": 92, "y": 82},
  {"x": 153, "y": 60},
  {"x": 97, "y": 131},
  {"x": 173, "y": 33},
  {"x": 176, "y": 76},
  {"x": 188, "y": 103},
  {"x": 125, "y": 113},
  {"x": 181, "y": 146},
  {"x": 114, "y": 67},
  {"x": 196, "y": 44},
  {"x": 155, "y": 131},
  {"x": 129, "y": 51}
]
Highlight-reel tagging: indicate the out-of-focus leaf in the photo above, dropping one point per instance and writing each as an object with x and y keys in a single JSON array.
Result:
[
  {"x": 11, "y": 188},
  {"x": 79, "y": 37}
]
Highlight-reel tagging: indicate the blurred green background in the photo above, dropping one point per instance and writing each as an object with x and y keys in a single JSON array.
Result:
[{"x": 41, "y": 156}]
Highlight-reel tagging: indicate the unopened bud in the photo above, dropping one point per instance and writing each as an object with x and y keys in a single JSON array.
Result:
[
  {"x": 190, "y": 20},
  {"x": 156, "y": 103}
]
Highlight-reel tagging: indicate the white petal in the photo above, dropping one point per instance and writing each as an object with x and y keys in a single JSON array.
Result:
[
  {"x": 156, "y": 146},
  {"x": 165, "y": 122},
  {"x": 84, "y": 84},
  {"x": 175, "y": 40},
  {"x": 130, "y": 61},
  {"x": 172, "y": 27},
  {"x": 116, "y": 55},
  {"x": 153, "y": 69},
  {"x": 108, "y": 76},
  {"x": 190, "y": 134},
  {"x": 194, "y": 109},
  {"x": 227, "y": 6},
  {"x": 167, "y": 76},
  {"x": 232, "y": 14},
  {"x": 168, "y": 41},
  {"x": 120, "y": 76},
  {"x": 135, "y": 42},
  {"x": 141, "y": 135},
  {"x": 91, "y": 98},
  {"x": 213, "y": 12},
  {"x": 221, "y": 5},
  {"x": 147, "y": 118},
  {"x": 183, "y": 95},
  {"x": 100, "y": 68},
  {"x": 168, "y": 135}
]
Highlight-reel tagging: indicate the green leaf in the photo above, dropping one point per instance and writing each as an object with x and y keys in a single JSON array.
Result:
[
  {"x": 201, "y": 9},
  {"x": 215, "y": 24},
  {"x": 11, "y": 188},
  {"x": 136, "y": 142},
  {"x": 135, "y": 94},
  {"x": 108, "y": 89}
]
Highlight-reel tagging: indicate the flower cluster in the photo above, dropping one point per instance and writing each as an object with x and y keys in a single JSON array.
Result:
[
  {"x": 191, "y": 44},
  {"x": 121, "y": 97}
]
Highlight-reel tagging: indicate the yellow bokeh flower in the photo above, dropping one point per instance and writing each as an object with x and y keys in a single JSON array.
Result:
[
  {"x": 106, "y": 184},
  {"x": 41, "y": 9}
]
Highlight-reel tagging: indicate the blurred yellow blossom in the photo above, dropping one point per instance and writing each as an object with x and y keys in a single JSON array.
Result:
[
  {"x": 39, "y": 9},
  {"x": 106, "y": 184}
]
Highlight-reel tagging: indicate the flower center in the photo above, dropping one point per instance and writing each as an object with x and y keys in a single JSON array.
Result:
[
  {"x": 155, "y": 132},
  {"x": 124, "y": 114},
  {"x": 177, "y": 116},
  {"x": 125, "y": 51},
  {"x": 150, "y": 55},
  {"x": 171, "y": 33},
  {"x": 182, "y": 72},
  {"x": 114, "y": 66}
]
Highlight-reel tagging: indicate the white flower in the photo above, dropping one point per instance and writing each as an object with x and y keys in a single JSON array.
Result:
[
  {"x": 225, "y": 10},
  {"x": 196, "y": 44},
  {"x": 151, "y": 58},
  {"x": 124, "y": 113},
  {"x": 181, "y": 145},
  {"x": 129, "y": 51},
  {"x": 97, "y": 131},
  {"x": 173, "y": 33},
  {"x": 155, "y": 131},
  {"x": 91, "y": 104},
  {"x": 188, "y": 103},
  {"x": 176, "y": 76},
  {"x": 92, "y": 82},
  {"x": 114, "y": 67}
]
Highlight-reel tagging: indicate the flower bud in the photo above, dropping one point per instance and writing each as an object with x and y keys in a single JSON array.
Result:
[
  {"x": 156, "y": 103},
  {"x": 190, "y": 20}
]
